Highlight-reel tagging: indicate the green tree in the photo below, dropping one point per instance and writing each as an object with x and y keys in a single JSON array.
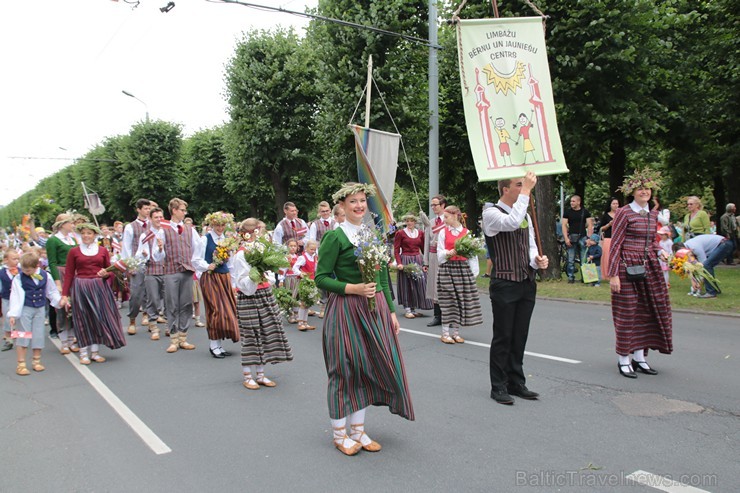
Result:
[{"x": 271, "y": 92}]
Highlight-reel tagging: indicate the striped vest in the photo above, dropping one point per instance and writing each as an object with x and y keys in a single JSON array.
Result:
[
  {"x": 154, "y": 268},
  {"x": 138, "y": 230},
  {"x": 322, "y": 228},
  {"x": 510, "y": 254},
  {"x": 293, "y": 234},
  {"x": 35, "y": 294},
  {"x": 178, "y": 249}
]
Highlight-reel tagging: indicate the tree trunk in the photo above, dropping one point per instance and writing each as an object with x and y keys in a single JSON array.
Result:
[
  {"x": 472, "y": 210},
  {"x": 617, "y": 162},
  {"x": 579, "y": 187},
  {"x": 547, "y": 216},
  {"x": 720, "y": 198},
  {"x": 280, "y": 187}
]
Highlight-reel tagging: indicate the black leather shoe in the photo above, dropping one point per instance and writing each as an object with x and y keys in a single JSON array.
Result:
[
  {"x": 629, "y": 373},
  {"x": 643, "y": 367},
  {"x": 434, "y": 322},
  {"x": 225, "y": 353},
  {"x": 523, "y": 392},
  {"x": 217, "y": 355},
  {"x": 502, "y": 397}
]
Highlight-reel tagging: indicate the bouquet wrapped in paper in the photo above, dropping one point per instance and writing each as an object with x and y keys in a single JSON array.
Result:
[
  {"x": 470, "y": 246},
  {"x": 285, "y": 300},
  {"x": 372, "y": 253},
  {"x": 263, "y": 256}
]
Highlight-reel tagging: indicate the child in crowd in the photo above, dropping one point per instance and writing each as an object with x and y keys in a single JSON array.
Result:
[
  {"x": 593, "y": 255},
  {"x": 7, "y": 273},
  {"x": 28, "y": 295},
  {"x": 666, "y": 244},
  {"x": 290, "y": 278},
  {"x": 697, "y": 282},
  {"x": 305, "y": 265}
]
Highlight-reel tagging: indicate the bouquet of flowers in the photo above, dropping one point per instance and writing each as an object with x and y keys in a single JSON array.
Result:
[
  {"x": 372, "y": 253},
  {"x": 224, "y": 250},
  {"x": 470, "y": 246},
  {"x": 263, "y": 255},
  {"x": 132, "y": 265},
  {"x": 682, "y": 266},
  {"x": 285, "y": 300},
  {"x": 308, "y": 293},
  {"x": 413, "y": 271}
]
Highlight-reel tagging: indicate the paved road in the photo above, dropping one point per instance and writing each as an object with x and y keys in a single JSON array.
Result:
[{"x": 590, "y": 429}]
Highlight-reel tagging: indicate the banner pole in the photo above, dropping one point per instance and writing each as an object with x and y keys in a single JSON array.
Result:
[
  {"x": 87, "y": 199},
  {"x": 534, "y": 224},
  {"x": 369, "y": 90}
]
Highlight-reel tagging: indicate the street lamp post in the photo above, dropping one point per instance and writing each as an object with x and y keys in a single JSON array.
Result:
[{"x": 146, "y": 108}]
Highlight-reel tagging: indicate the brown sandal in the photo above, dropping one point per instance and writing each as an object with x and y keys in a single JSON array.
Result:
[
  {"x": 36, "y": 364},
  {"x": 21, "y": 369}
]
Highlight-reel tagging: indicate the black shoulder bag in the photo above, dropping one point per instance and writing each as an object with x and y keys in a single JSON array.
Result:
[{"x": 636, "y": 273}]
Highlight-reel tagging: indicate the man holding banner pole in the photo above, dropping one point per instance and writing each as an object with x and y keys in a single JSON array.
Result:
[{"x": 510, "y": 239}]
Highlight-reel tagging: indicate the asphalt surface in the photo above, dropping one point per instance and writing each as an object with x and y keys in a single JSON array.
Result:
[{"x": 590, "y": 429}]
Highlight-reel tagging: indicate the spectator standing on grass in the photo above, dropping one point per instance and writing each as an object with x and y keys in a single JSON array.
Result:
[
  {"x": 577, "y": 226},
  {"x": 729, "y": 228}
]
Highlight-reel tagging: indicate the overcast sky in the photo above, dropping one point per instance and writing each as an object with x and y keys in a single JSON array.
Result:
[{"x": 65, "y": 63}]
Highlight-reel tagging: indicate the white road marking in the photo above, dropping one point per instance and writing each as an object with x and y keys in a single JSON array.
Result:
[
  {"x": 473, "y": 343},
  {"x": 667, "y": 484},
  {"x": 131, "y": 419}
]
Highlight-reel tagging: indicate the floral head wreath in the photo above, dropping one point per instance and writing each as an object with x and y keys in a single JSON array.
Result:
[
  {"x": 644, "y": 178},
  {"x": 62, "y": 218},
  {"x": 410, "y": 217},
  {"x": 89, "y": 226},
  {"x": 219, "y": 218},
  {"x": 351, "y": 189}
]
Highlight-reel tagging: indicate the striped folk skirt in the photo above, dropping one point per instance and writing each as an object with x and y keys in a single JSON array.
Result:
[
  {"x": 220, "y": 302},
  {"x": 642, "y": 310},
  {"x": 412, "y": 293},
  {"x": 96, "y": 318},
  {"x": 363, "y": 358},
  {"x": 458, "y": 295},
  {"x": 261, "y": 329}
]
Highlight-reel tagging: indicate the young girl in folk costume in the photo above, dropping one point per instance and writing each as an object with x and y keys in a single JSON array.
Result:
[
  {"x": 28, "y": 295},
  {"x": 290, "y": 278},
  {"x": 458, "y": 294},
  {"x": 666, "y": 244},
  {"x": 260, "y": 324},
  {"x": 361, "y": 350},
  {"x": 57, "y": 249},
  {"x": 215, "y": 283},
  {"x": 408, "y": 246},
  {"x": 305, "y": 265},
  {"x": 7, "y": 273},
  {"x": 96, "y": 318}
]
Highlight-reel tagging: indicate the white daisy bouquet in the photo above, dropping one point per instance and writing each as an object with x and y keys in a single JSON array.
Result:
[
  {"x": 372, "y": 254},
  {"x": 263, "y": 256}
]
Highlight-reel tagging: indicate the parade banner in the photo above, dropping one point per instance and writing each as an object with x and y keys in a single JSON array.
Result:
[
  {"x": 507, "y": 96},
  {"x": 377, "y": 162}
]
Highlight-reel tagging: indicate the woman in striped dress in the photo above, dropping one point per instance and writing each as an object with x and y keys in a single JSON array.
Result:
[
  {"x": 260, "y": 324},
  {"x": 96, "y": 318},
  {"x": 641, "y": 309},
  {"x": 361, "y": 350},
  {"x": 215, "y": 283},
  {"x": 408, "y": 245},
  {"x": 457, "y": 292}
]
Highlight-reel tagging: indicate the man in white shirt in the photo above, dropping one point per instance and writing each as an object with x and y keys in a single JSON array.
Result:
[
  {"x": 291, "y": 227},
  {"x": 130, "y": 243}
]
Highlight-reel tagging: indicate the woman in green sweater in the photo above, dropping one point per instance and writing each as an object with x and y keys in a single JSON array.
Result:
[
  {"x": 57, "y": 247},
  {"x": 696, "y": 221},
  {"x": 361, "y": 350}
]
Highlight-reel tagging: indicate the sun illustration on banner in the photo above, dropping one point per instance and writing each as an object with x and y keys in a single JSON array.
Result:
[{"x": 506, "y": 83}]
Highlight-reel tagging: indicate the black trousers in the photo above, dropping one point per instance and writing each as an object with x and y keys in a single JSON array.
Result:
[{"x": 513, "y": 304}]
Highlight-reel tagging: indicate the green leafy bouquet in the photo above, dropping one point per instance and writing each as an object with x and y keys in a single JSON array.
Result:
[
  {"x": 263, "y": 255},
  {"x": 285, "y": 300},
  {"x": 308, "y": 293},
  {"x": 413, "y": 271},
  {"x": 470, "y": 246}
]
